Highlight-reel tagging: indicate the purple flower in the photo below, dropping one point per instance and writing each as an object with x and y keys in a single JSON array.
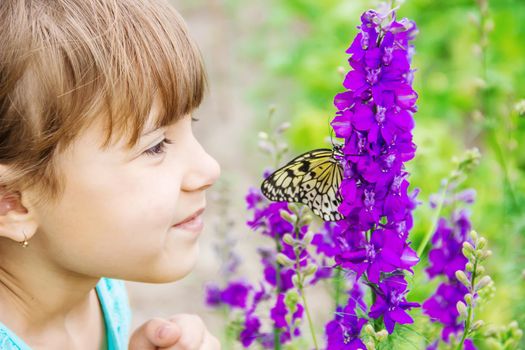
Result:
[
  {"x": 235, "y": 294},
  {"x": 279, "y": 311},
  {"x": 213, "y": 295},
  {"x": 343, "y": 331},
  {"x": 325, "y": 240},
  {"x": 253, "y": 198},
  {"x": 441, "y": 307},
  {"x": 386, "y": 252},
  {"x": 250, "y": 331},
  {"x": 270, "y": 271},
  {"x": 269, "y": 221},
  {"x": 446, "y": 257},
  {"x": 391, "y": 303}
]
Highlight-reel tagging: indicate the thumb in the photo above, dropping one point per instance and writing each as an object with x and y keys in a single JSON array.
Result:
[{"x": 154, "y": 333}]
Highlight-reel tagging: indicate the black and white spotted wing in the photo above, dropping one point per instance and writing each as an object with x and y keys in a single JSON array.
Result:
[{"x": 313, "y": 178}]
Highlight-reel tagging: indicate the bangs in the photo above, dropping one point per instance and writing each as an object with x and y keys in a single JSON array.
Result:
[
  {"x": 65, "y": 64},
  {"x": 114, "y": 58},
  {"x": 154, "y": 58}
]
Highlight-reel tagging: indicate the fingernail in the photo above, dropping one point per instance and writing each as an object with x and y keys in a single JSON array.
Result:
[{"x": 165, "y": 331}]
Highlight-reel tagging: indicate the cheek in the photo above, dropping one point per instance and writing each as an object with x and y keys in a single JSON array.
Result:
[{"x": 110, "y": 227}]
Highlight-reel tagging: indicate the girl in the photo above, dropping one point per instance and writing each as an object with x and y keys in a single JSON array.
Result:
[{"x": 101, "y": 178}]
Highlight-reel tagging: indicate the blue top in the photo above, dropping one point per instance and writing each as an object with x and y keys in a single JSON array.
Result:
[{"x": 117, "y": 317}]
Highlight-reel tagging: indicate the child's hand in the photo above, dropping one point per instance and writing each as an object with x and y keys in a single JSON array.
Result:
[{"x": 184, "y": 332}]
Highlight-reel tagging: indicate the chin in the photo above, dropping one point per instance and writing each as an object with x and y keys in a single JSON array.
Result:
[{"x": 173, "y": 270}]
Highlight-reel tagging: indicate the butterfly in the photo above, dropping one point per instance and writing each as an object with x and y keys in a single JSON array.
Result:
[{"x": 313, "y": 178}]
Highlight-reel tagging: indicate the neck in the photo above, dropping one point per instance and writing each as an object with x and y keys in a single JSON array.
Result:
[{"x": 39, "y": 295}]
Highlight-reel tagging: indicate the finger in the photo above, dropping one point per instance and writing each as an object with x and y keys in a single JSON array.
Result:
[
  {"x": 193, "y": 333},
  {"x": 210, "y": 343},
  {"x": 155, "y": 333}
]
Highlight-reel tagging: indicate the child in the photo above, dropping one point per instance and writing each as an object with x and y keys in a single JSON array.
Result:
[{"x": 101, "y": 178}]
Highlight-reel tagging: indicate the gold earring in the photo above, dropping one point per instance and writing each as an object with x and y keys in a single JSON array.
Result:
[{"x": 25, "y": 243}]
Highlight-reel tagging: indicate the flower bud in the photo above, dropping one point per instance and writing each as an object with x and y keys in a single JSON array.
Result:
[
  {"x": 262, "y": 135},
  {"x": 520, "y": 108},
  {"x": 287, "y": 216},
  {"x": 474, "y": 236},
  {"x": 491, "y": 331},
  {"x": 369, "y": 329},
  {"x": 479, "y": 254},
  {"x": 483, "y": 283},
  {"x": 283, "y": 127},
  {"x": 284, "y": 260},
  {"x": 462, "y": 309},
  {"x": 486, "y": 254},
  {"x": 489, "y": 25},
  {"x": 381, "y": 335},
  {"x": 295, "y": 281},
  {"x": 473, "y": 18},
  {"x": 466, "y": 253},
  {"x": 480, "y": 270},
  {"x": 480, "y": 84},
  {"x": 468, "y": 299},
  {"x": 460, "y": 275},
  {"x": 370, "y": 345},
  {"x": 310, "y": 269},
  {"x": 288, "y": 318},
  {"x": 305, "y": 220},
  {"x": 477, "y": 325},
  {"x": 467, "y": 246},
  {"x": 482, "y": 242},
  {"x": 308, "y": 237},
  {"x": 288, "y": 239},
  {"x": 265, "y": 147},
  {"x": 469, "y": 266}
]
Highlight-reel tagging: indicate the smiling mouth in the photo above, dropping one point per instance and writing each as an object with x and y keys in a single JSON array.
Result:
[
  {"x": 192, "y": 223},
  {"x": 191, "y": 217}
]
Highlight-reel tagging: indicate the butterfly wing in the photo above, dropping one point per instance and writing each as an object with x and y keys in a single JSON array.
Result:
[{"x": 312, "y": 178}]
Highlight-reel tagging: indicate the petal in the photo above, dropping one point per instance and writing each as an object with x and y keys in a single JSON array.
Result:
[
  {"x": 354, "y": 80},
  {"x": 400, "y": 316}
]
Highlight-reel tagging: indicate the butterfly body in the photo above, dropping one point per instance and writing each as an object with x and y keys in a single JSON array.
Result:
[{"x": 313, "y": 178}]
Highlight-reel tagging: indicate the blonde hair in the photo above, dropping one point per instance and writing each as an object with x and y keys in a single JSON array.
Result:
[{"x": 66, "y": 63}]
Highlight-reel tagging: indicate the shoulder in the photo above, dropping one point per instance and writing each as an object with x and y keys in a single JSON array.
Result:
[
  {"x": 114, "y": 296},
  {"x": 9, "y": 341}
]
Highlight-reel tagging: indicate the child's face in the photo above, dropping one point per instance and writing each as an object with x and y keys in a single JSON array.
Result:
[{"x": 116, "y": 216}]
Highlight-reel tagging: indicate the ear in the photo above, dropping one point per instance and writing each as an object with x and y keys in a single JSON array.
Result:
[{"x": 15, "y": 217}]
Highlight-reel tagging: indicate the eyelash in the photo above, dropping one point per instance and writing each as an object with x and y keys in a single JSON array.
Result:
[{"x": 159, "y": 148}]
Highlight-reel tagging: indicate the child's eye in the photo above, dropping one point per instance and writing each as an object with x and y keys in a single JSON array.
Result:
[
  {"x": 193, "y": 119},
  {"x": 158, "y": 148}
]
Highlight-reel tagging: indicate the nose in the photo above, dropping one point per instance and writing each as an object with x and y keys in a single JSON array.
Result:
[{"x": 204, "y": 170}]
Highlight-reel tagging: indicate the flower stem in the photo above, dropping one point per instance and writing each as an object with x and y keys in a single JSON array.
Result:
[
  {"x": 435, "y": 220},
  {"x": 300, "y": 287},
  {"x": 276, "y": 330},
  {"x": 468, "y": 321},
  {"x": 337, "y": 286},
  {"x": 310, "y": 323}
]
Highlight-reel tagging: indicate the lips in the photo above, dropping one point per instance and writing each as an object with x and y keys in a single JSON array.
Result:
[{"x": 190, "y": 218}]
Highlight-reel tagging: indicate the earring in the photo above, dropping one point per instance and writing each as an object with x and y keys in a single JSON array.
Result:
[{"x": 25, "y": 243}]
